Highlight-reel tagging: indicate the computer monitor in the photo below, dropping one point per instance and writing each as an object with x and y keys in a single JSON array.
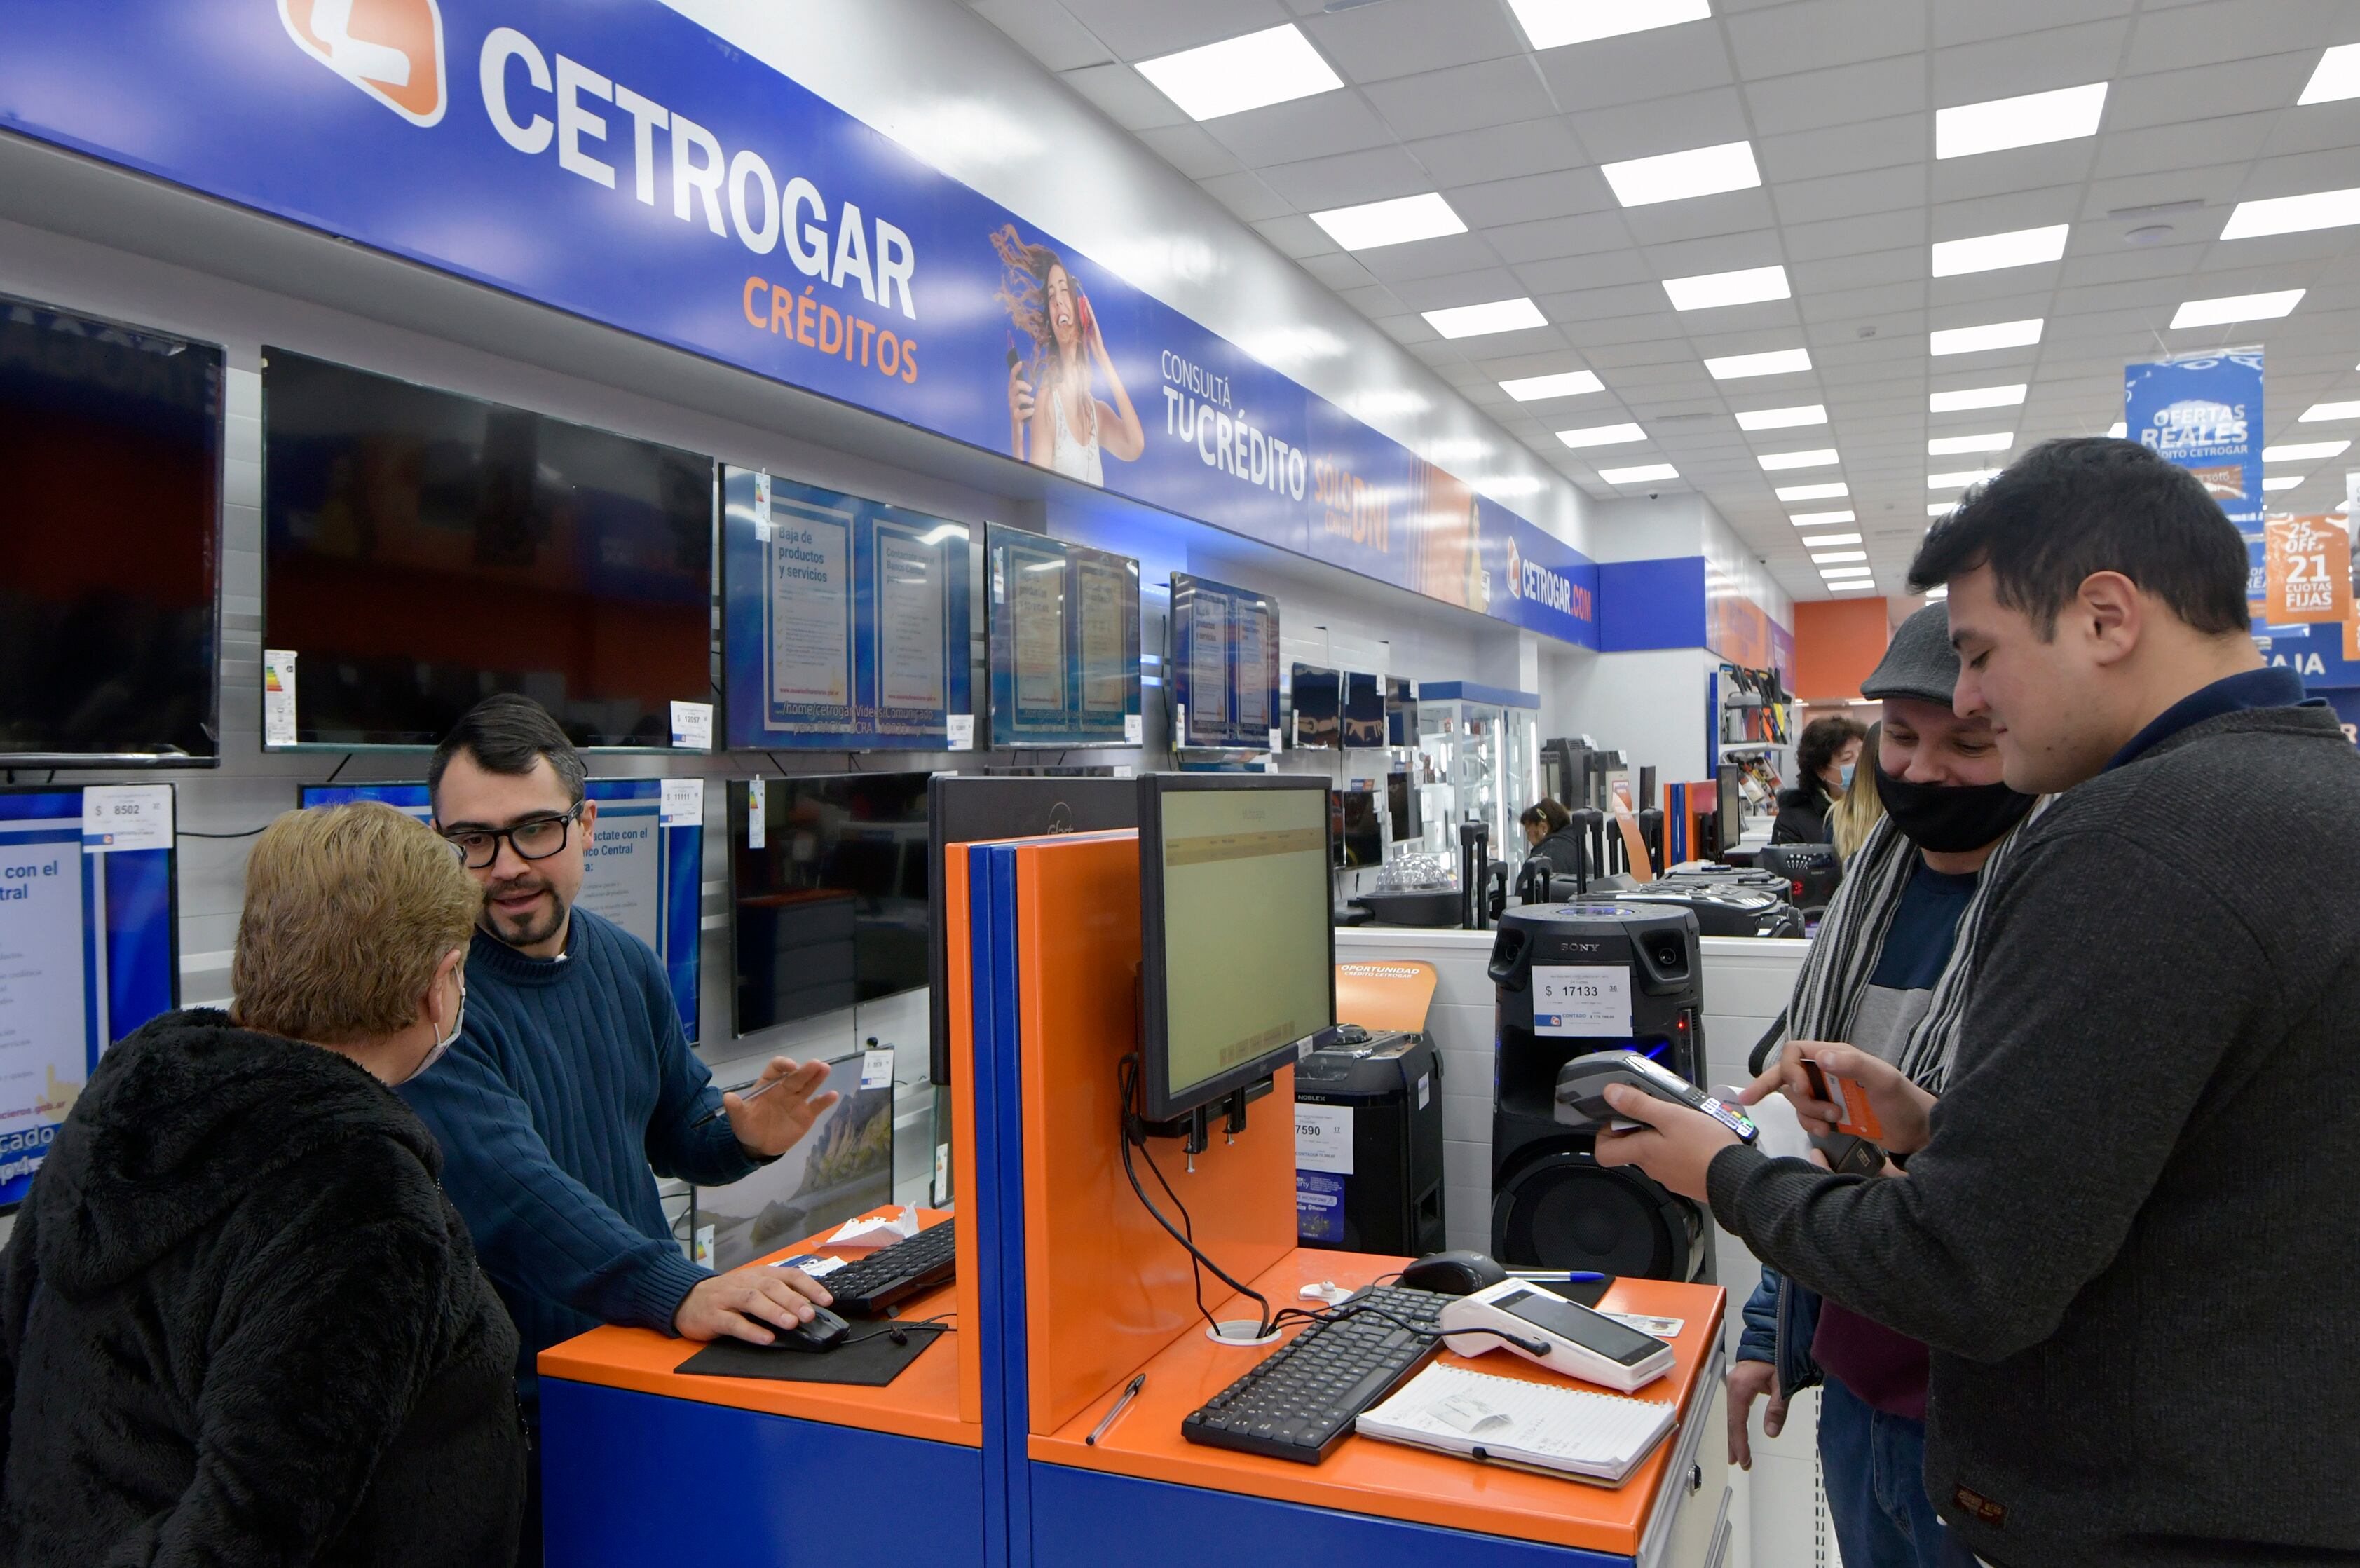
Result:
[
  {"x": 1364, "y": 710},
  {"x": 1363, "y": 836},
  {"x": 1237, "y": 939},
  {"x": 1318, "y": 707},
  {"x": 1401, "y": 796}
]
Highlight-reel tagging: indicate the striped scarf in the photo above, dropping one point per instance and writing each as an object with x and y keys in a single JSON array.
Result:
[{"x": 1851, "y": 941}]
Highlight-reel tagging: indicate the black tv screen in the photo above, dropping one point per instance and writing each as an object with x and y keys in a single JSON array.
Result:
[
  {"x": 425, "y": 550},
  {"x": 1364, "y": 710},
  {"x": 828, "y": 886},
  {"x": 110, "y": 543},
  {"x": 1364, "y": 842},
  {"x": 1318, "y": 707},
  {"x": 1401, "y": 712}
]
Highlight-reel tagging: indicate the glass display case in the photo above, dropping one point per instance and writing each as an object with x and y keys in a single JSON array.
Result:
[{"x": 1478, "y": 761}]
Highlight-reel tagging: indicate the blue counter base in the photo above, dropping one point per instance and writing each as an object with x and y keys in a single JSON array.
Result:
[{"x": 631, "y": 1480}]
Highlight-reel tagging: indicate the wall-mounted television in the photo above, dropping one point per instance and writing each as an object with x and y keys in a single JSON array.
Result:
[
  {"x": 425, "y": 550},
  {"x": 1364, "y": 710},
  {"x": 1318, "y": 707},
  {"x": 1223, "y": 666},
  {"x": 1400, "y": 711},
  {"x": 1064, "y": 642},
  {"x": 110, "y": 543}
]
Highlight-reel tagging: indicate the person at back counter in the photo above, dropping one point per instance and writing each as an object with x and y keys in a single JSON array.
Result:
[
  {"x": 572, "y": 1085},
  {"x": 1826, "y": 755}
]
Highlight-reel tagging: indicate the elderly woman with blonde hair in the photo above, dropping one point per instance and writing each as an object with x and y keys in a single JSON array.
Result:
[{"x": 239, "y": 1321}]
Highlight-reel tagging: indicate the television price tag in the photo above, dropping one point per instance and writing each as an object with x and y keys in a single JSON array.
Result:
[
  {"x": 762, "y": 507},
  {"x": 1322, "y": 1138},
  {"x": 877, "y": 1068},
  {"x": 1133, "y": 731},
  {"x": 116, "y": 817},
  {"x": 958, "y": 730},
  {"x": 683, "y": 803},
  {"x": 277, "y": 696},
  {"x": 1581, "y": 999},
  {"x": 691, "y": 726},
  {"x": 1277, "y": 741},
  {"x": 757, "y": 818}
]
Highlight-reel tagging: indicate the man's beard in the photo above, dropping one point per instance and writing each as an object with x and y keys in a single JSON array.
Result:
[{"x": 545, "y": 921}]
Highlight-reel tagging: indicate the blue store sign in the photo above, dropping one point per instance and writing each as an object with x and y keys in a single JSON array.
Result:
[
  {"x": 2204, "y": 412},
  {"x": 622, "y": 163}
]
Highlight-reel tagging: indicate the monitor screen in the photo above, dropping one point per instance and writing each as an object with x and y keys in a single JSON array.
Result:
[
  {"x": 1223, "y": 667},
  {"x": 644, "y": 872},
  {"x": 1064, "y": 651},
  {"x": 88, "y": 951},
  {"x": 110, "y": 543},
  {"x": 824, "y": 913},
  {"x": 425, "y": 550},
  {"x": 1401, "y": 799},
  {"x": 1364, "y": 710},
  {"x": 841, "y": 1168},
  {"x": 1236, "y": 944},
  {"x": 1318, "y": 707},
  {"x": 1363, "y": 836},
  {"x": 1400, "y": 711}
]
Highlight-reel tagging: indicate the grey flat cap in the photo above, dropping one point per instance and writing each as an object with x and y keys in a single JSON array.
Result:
[{"x": 1919, "y": 662}]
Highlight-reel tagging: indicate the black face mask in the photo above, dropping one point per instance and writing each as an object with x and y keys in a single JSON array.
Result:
[{"x": 1946, "y": 818}]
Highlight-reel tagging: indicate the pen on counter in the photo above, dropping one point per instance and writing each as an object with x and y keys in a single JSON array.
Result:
[
  {"x": 1130, "y": 1393},
  {"x": 1557, "y": 1276},
  {"x": 758, "y": 1090}
]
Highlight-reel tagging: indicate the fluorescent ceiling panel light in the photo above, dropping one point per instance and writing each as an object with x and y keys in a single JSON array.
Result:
[
  {"x": 1974, "y": 339},
  {"x": 1397, "y": 222},
  {"x": 1998, "y": 124},
  {"x": 1938, "y": 592},
  {"x": 1940, "y": 509},
  {"x": 1245, "y": 72},
  {"x": 2282, "y": 481},
  {"x": 1849, "y": 587},
  {"x": 1783, "y": 419},
  {"x": 2118, "y": 430},
  {"x": 1640, "y": 475},
  {"x": 1708, "y": 289},
  {"x": 2293, "y": 215},
  {"x": 2337, "y": 76},
  {"x": 2303, "y": 451},
  {"x": 1495, "y": 315},
  {"x": 1564, "y": 384},
  {"x": 2236, "y": 308},
  {"x": 1959, "y": 479},
  {"x": 1989, "y": 252},
  {"x": 1838, "y": 557},
  {"x": 1819, "y": 519},
  {"x": 1968, "y": 397},
  {"x": 1550, "y": 23},
  {"x": 2318, "y": 411},
  {"x": 1816, "y": 493},
  {"x": 1952, "y": 445},
  {"x": 1778, "y": 462},
  {"x": 1829, "y": 541},
  {"x": 1601, "y": 436},
  {"x": 1778, "y": 361},
  {"x": 1832, "y": 572},
  {"x": 1674, "y": 176}
]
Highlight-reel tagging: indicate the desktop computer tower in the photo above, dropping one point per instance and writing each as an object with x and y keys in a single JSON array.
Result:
[
  {"x": 1381, "y": 1189},
  {"x": 1569, "y": 981}
]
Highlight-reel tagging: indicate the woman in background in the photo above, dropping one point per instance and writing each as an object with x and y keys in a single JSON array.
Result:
[
  {"x": 1825, "y": 756},
  {"x": 239, "y": 1323},
  {"x": 1549, "y": 835},
  {"x": 1860, "y": 807},
  {"x": 1057, "y": 420}
]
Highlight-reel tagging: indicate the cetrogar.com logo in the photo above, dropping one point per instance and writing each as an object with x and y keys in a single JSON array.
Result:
[{"x": 390, "y": 49}]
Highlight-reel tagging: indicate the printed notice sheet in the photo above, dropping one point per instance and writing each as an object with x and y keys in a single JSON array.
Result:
[
  {"x": 1208, "y": 661},
  {"x": 1038, "y": 607},
  {"x": 1105, "y": 677},
  {"x": 1253, "y": 670},
  {"x": 909, "y": 622},
  {"x": 809, "y": 606},
  {"x": 44, "y": 1035}
]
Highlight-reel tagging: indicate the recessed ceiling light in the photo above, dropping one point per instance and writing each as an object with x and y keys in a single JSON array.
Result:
[
  {"x": 1816, "y": 493},
  {"x": 1832, "y": 573},
  {"x": 1939, "y": 591},
  {"x": 1952, "y": 445},
  {"x": 1639, "y": 476},
  {"x": 2303, "y": 451},
  {"x": 1601, "y": 436},
  {"x": 1829, "y": 541},
  {"x": 1674, "y": 176},
  {"x": 1940, "y": 509},
  {"x": 1244, "y": 73},
  {"x": 2282, "y": 481},
  {"x": 1778, "y": 462},
  {"x": 2318, "y": 411},
  {"x": 1564, "y": 384},
  {"x": 1778, "y": 361},
  {"x": 2293, "y": 215},
  {"x": 1549, "y": 23},
  {"x": 1707, "y": 290},
  {"x": 1850, "y": 588},
  {"x": 1988, "y": 252},
  {"x": 1976, "y": 397},
  {"x": 1396, "y": 222},
  {"x": 1838, "y": 557},
  {"x": 1959, "y": 479},
  {"x": 1973, "y": 339},
  {"x": 2337, "y": 76},
  {"x": 1495, "y": 315},
  {"x": 2001, "y": 122},
  {"x": 1783, "y": 419},
  {"x": 2236, "y": 308},
  {"x": 2118, "y": 430},
  {"x": 1819, "y": 519}
]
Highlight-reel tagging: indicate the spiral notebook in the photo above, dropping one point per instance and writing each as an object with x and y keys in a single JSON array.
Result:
[{"x": 1551, "y": 1427}]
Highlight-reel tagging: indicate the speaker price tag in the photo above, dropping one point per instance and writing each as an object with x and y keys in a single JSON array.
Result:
[
  {"x": 1322, "y": 1138},
  {"x": 1581, "y": 999}
]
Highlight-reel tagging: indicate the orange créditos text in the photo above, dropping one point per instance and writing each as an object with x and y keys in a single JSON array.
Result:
[{"x": 815, "y": 324}]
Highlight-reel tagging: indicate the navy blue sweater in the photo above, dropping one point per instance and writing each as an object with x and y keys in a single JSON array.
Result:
[{"x": 571, "y": 1081}]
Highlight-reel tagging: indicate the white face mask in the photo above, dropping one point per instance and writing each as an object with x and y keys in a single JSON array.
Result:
[{"x": 458, "y": 1022}]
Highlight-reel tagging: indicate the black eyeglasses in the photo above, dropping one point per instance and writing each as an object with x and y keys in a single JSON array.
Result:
[{"x": 534, "y": 840}]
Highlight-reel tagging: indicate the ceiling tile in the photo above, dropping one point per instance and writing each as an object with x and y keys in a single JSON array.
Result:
[
  {"x": 1533, "y": 198},
  {"x": 2224, "y": 30},
  {"x": 1321, "y": 126},
  {"x": 1552, "y": 237},
  {"x": 1129, "y": 99},
  {"x": 1296, "y": 236},
  {"x": 1818, "y": 98},
  {"x": 1598, "y": 270},
  {"x": 1141, "y": 32},
  {"x": 1466, "y": 97},
  {"x": 2018, "y": 168},
  {"x": 1663, "y": 125},
  {"x": 1188, "y": 149},
  {"x": 1402, "y": 38},
  {"x": 1850, "y": 195},
  {"x": 1430, "y": 257},
  {"x": 1337, "y": 271},
  {"x": 1969, "y": 21},
  {"x": 1046, "y": 31},
  {"x": 2009, "y": 67},
  {"x": 1846, "y": 236},
  {"x": 2232, "y": 87},
  {"x": 1846, "y": 148},
  {"x": 1661, "y": 62},
  {"x": 1815, "y": 33},
  {"x": 1246, "y": 195},
  {"x": 1316, "y": 184},
  {"x": 1499, "y": 152},
  {"x": 1731, "y": 212}
]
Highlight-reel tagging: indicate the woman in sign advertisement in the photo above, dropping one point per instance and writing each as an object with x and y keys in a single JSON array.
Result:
[{"x": 1057, "y": 420}]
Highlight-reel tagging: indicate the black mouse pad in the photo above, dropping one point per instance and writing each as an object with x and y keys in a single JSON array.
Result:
[{"x": 870, "y": 1364}]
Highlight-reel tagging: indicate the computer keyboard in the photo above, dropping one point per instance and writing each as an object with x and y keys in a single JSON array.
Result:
[
  {"x": 1300, "y": 1401},
  {"x": 866, "y": 1286}
]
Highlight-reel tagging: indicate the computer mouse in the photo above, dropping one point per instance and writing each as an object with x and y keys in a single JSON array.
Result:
[
  {"x": 825, "y": 1332},
  {"x": 1581, "y": 1086},
  {"x": 1461, "y": 1273}
]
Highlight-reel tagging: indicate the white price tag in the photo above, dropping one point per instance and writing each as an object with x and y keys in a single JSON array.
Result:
[
  {"x": 1276, "y": 739},
  {"x": 877, "y": 1068},
  {"x": 1179, "y": 724},
  {"x": 1322, "y": 1138},
  {"x": 762, "y": 507},
  {"x": 1424, "y": 1089},
  {"x": 1581, "y": 999},
  {"x": 756, "y": 816},
  {"x": 942, "y": 1173},
  {"x": 1123, "y": 771},
  {"x": 125, "y": 817},
  {"x": 701, "y": 1250},
  {"x": 959, "y": 730},
  {"x": 277, "y": 696},
  {"x": 691, "y": 726},
  {"x": 683, "y": 803},
  {"x": 1132, "y": 731}
]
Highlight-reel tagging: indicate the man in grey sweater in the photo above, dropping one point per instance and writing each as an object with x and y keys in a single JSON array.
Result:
[{"x": 2126, "y": 1230}]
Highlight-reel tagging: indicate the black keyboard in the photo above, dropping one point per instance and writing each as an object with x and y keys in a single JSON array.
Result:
[
  {"x": 866, "y": 1286},
  {"x": 1300, "y": 1402}
]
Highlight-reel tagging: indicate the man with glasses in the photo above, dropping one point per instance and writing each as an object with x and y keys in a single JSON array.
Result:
[{"x": 572, "y": 1085}]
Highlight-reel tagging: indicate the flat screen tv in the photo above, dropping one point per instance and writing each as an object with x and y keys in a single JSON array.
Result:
[
  {"x": 1063, "y": 652},
  {"x": 425, "y": 550},
  {"x": 1318, "y": 707},
  {"x": 1364, "y": 710},
  {"x": 1400, "y": 711},
  {"x": 110, "y": 543},
  {"x": 1223, "y": 666}
]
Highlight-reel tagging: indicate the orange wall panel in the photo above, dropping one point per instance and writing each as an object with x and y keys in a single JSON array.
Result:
[{"x": 1837, "y": 643}]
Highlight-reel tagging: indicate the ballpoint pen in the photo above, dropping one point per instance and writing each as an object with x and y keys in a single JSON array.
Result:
[
  {"x": 1130, "y": 1393},
  {"x": 759, "y": 1089}
]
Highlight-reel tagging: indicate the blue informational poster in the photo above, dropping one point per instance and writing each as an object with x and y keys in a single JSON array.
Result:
[
  {"x": 843, "y": 621},
  {"x": 1064, "y": 642},
  {"x": 1223, "y": 666},
  {"x": 2204, "y": 411},
  {"x": 644, "y": 869},
  {"x": 88, "y": 951}
]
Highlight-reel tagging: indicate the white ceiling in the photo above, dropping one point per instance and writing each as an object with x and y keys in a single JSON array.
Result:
[{"x": 1837, "y": 97}]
